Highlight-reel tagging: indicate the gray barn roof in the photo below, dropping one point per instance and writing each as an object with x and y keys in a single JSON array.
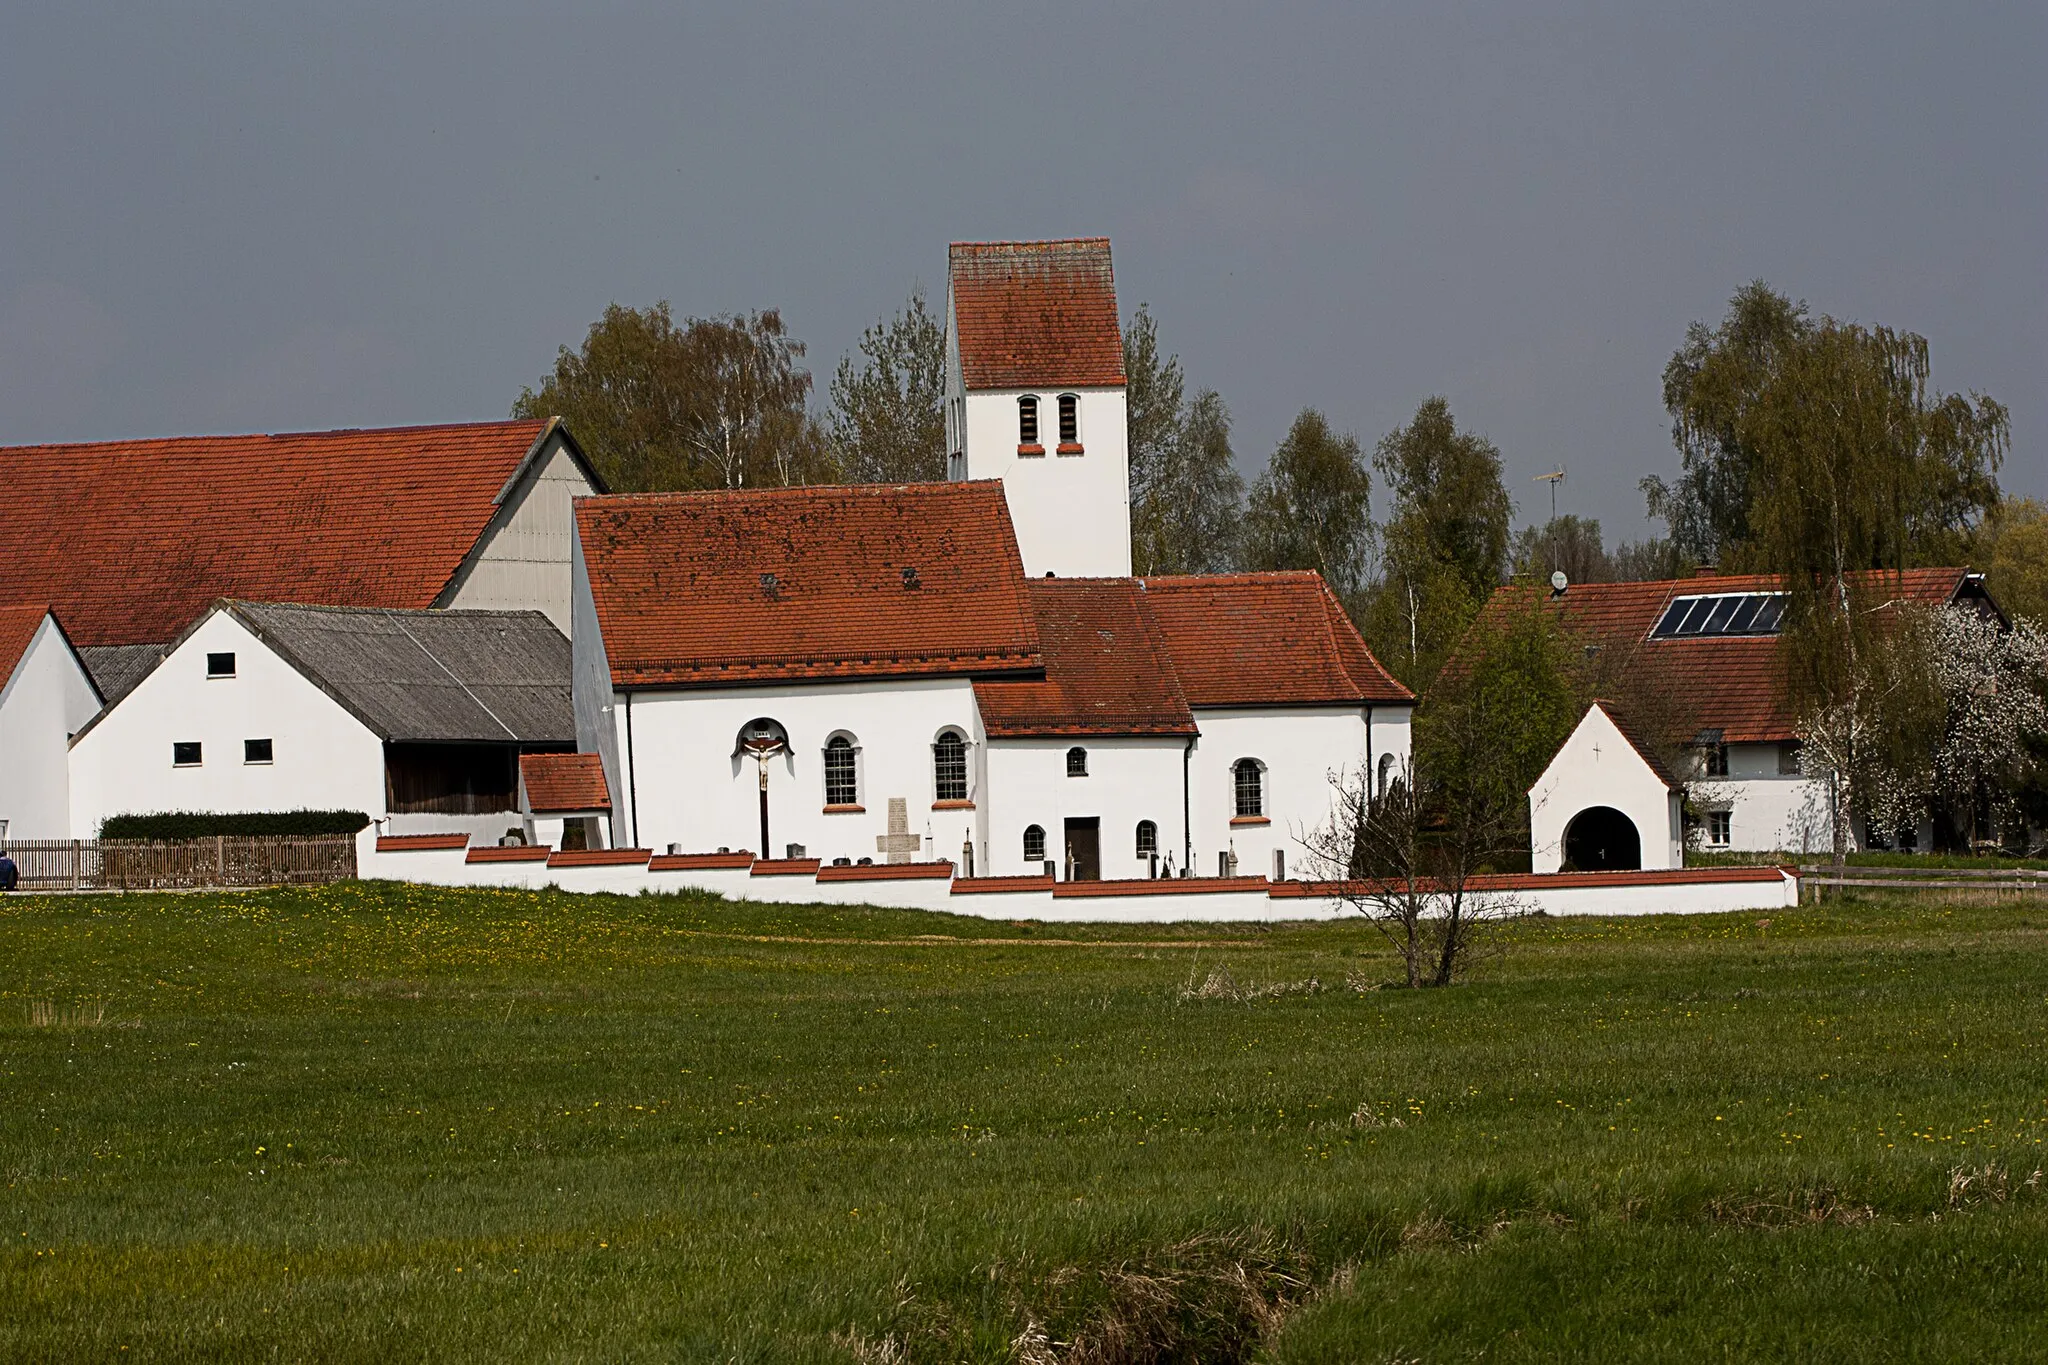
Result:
[
  {"x": 115, "y": 669},
  {"x": 447, "y": 676}
]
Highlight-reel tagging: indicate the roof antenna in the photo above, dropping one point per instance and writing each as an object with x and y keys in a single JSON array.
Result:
[{"x": 1554, "y": 478}]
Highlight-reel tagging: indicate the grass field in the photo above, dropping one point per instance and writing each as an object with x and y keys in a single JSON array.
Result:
[{"x": 374, "y": 1122}]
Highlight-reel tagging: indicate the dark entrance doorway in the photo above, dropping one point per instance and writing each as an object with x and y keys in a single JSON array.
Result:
[
  {"x": 1084, "y": 850},
  {"x": 1602, "y": 839}
]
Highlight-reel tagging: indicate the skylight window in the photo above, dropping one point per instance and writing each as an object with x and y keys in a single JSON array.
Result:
[{"x": 1733, "y": 613}]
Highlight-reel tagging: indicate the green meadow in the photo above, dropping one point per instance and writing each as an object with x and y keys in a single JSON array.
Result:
[{"x": 388, "y": 1123}]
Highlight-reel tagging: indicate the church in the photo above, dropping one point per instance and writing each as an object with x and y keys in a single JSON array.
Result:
[{"x": 968, "y": 671}]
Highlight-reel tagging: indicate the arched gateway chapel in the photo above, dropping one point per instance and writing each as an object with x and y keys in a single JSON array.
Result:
[{"x": 968, "y": 671}]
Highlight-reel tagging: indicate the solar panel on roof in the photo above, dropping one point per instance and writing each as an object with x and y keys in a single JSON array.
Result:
[{"x": 1735, "y": 613}]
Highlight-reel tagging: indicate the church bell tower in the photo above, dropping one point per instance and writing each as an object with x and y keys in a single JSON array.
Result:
[{"x": 1035, "y": 397}]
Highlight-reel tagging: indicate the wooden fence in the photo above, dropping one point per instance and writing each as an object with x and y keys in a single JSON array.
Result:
[
  {"x": 143, "y": 865},
  {"x": 2020, "y": 880}
]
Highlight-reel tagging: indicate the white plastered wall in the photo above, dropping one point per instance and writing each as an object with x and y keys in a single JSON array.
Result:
[
  {"x": 524, "y": 560},
  {"x": 683, "y": 786},
  {"x": 323, "y": 757},
  {"x": 46, "y": 700},
  {"x": 1598, "y": 766},
  {"x": 1768, "y": 811},
  {"x": 1128, "y": 780},
  {"x": 1072, "y": 512},
  {"x": 1302, "y": 749}
]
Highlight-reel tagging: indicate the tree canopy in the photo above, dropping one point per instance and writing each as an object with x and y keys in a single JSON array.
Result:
[
  {"x": 888, "y": 420},
  {"x": 1187, "y": 498},
  {"x": 713, "y": 403},
  {"x": 1311, "y": 509}
]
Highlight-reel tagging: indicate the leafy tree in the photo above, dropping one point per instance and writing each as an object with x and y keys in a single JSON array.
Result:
[
  {"x": 1311, "y": 509},
  {"x": 2014, "y": 556},
  {"x": 1647, "y": 561},
  {"x": 713, "y": 403},
  {"x": 1446, "y": 546},
  {"x": 1774, "y": 409},
  {"x": 888, "y": 419},
  {"x": 1569, "y": 543},
  {"x": 1186, "y": 494}
]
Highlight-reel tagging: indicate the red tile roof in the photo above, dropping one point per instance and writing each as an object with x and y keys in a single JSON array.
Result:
[
  {"x": 1266, "y": 639},
  {"x": 726, "y": 588},
  {"x": 1107, "y": 669},
  {"x": 1036, "y": 314},
  {"x": 1728, "y": 683},
  {"x": 18, "y": 626},
  {"x": 563, "y": 782},
  {"x": 131, "y": 540}
]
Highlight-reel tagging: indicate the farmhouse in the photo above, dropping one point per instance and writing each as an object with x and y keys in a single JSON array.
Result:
[
  {"x": 1700, "y": 654},
  {"x": 46, "y": 697},
  {"x": 416, "y": 718}
]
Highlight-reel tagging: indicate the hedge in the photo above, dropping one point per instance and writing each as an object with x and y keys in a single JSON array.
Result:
[{"x": 199, "y": 824}]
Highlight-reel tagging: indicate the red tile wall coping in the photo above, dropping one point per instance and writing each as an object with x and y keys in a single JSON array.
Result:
[
  {"x": 509, "y": 853},
  {"x": 420, "y": 843},
  {"x": 1163, "y": 886},
  {"x": 692, "y": 862},
  {"x": 600, "y": 857},
  {"x": 786, "y": 867},
  {"x": 1567, "y": 881},
  {"x": 887, "y": 872},
  {"x": 968, "y": 886}
]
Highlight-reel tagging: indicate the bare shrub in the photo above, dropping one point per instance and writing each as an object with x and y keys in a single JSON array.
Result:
[{"x": 45, "y": 1014}]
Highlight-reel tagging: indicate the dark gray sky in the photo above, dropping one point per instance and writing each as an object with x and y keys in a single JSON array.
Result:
[{"x": 238, "y": 218}]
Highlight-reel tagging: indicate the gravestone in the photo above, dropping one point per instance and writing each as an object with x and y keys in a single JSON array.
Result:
[{"x": 899, "y": 843}]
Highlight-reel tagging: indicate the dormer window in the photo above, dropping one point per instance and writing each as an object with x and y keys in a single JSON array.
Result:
[
  {"x": 1027, "y": 425},
  {"x": 1070, "y": 424}
]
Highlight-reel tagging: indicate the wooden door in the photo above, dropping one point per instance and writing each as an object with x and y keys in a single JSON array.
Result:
[{"x": 1084, "y": 850}]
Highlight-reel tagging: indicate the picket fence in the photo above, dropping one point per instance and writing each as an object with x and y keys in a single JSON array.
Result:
[{"x": 147, "y": 865}]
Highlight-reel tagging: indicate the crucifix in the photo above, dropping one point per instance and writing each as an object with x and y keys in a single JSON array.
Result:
[
  {"x": 899, "y": 843},
  {"x": 763, "y": 739}
]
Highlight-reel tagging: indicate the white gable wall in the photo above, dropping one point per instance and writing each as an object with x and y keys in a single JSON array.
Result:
[
  {"x": 685, "y": 787},
  {"x": 1129, "y": 779},
  {"x": 323, "y": 757},
  {"x": 523, "y": 562},
  {"x": 46, "y": 700},
  {"x": 1072, "y": 512},
  {"x": 601, "y": 713},
  {"x": 1301, "y": 749},
  {"x": 1597, "y": 765}
]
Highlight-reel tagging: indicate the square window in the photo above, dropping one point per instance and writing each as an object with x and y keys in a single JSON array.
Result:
[
  {"x": 221, "y": 665},
  {"x": 185, "y": 753},
  {"x": 255, "y": 751}
]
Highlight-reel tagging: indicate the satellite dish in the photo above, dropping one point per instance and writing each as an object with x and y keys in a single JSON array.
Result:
[{"x": 1558, "y": 582}]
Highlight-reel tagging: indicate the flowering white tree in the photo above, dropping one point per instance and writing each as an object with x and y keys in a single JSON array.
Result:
[{"x": 1995, "y": 685}]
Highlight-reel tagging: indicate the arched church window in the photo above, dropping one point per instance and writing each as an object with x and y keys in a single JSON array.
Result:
[
  {"x": 842, "y": 772},
  {"x": 1248, "y": 782},
  {"x": 1070, "y": 419},
  {"x": 1027, "y": 420},
  {"x": 1077, "y": 762},
  {"x": 1034, "y": 844},
  {"x": 1386, "y": 777},
  {"x": 1148, "y": 838},
  {"x": 949, "y": 766}
]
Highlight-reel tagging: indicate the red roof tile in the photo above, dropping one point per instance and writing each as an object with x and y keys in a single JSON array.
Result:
[
  {"x": 563, "y": 782},
  {"x": 18, "y": 626},
  {"x": 1107, "y": 669},
  {"x": 726, "y": 588},
  {"x": 1036, "y": 314},
  {"x": 131, "y": 540},
  {"x": 1728, "y": 683},
  {"x": 1266, "y": 639}
]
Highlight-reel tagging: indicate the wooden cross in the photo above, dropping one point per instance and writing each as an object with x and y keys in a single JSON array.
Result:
[{"x": 899, "y": 843}]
